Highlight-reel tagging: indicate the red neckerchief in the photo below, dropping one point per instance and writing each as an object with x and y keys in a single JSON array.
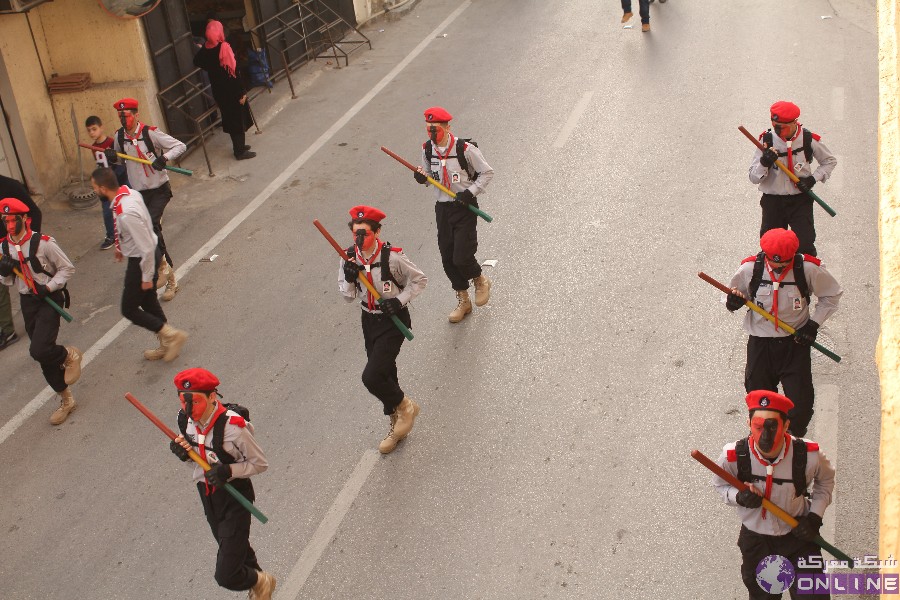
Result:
[
  {"x": 445, "y": 177},
  {"x": 201, "y": 438},
  {"x": 770, "y": 466},
  {"x": 134, "y": 141},
  {"x": 776, "y": 283},
  {"x": 117, "y": 209},
  {"x": 370, "y": 300},
  {"x": 23, "y": 264},
  {"x": 790, "y": 149}
]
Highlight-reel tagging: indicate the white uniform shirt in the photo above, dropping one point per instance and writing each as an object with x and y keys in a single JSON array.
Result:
[
  {"x": 457, "y": 179},
  {"x": 52, "y": 259},
  {"x": 404, "y": 271},
  {"x": 772, "y": 180},
  {"x": 134, "y": 229},
  {"x": 141, "y": 176},
  {"x": 239, "y": 443}
]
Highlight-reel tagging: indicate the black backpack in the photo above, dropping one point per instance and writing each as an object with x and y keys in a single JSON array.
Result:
[
  {"x": 218, "y": 430},
  {"x": 798, "y": 465},
  {"x": 807, "y": 144},
  {"x": 34, "y": 242},
  {"x": 460, "y": 155},
  {"x": 799, "y": 276},
  {"x": 145, "y": 136}
]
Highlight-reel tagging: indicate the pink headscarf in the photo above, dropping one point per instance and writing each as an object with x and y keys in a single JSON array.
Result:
[{"x": 215, "y": 34}]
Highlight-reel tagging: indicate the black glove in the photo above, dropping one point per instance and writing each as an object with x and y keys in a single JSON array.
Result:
[
  {"x": 7, "y": 264},
  {"x": 111, "y": 156},
  {"x": 466, "y": 197},
  {"x": 390, "y": 306},
  {"x": 734, "y": 302},
  {"x": 179, "y": 451},
  {"x": 351, "y": 269},
  {"x": 419, "y": 177},
  {"x": 160, "y": 163},
  {"x": 219, "y": 474},
  {"x": 806, "y": 335},
  {"x": 808, "y": 526},
  {"x": 806, "y": 183},
  {"x": 40, "y": 290},
  {"x": 748, "y": 499},
  {"x": 768, "y": 158}
]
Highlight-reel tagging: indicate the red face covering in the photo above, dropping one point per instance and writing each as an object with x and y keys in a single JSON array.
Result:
[
  {"x": 127, "y": 118},
  {"x": 435, "y": 133},
  {"x": 14, "y": 224},
  {"x": 766, "y": 432},
  {"x": 193, "y": 403},
  {"x": 369, "y": 242}
]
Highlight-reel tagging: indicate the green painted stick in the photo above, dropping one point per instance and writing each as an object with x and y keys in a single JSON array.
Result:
[
  {"x": 143, "y": 161},
  {"x": 768, "y": 504},
  {"x": 764, "y": 313},
  {"x": 196, "y": 458},
  {"x": 787, "y": 171},
  {"x": 438, "y": 185},
  {"x": 403, "y": 328}
]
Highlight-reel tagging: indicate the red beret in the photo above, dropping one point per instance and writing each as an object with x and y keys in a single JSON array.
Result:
[
  {"x": 780, "y": 245},
  {"x": 126, "y": 103},
  {"x": 436, "y": 114},
  {"x": 766, "y": 400},
  {"x": 366, "y": 212},
  {"x": 199, "y": 380},
  {"x": 13, "y": 206},
  {"x": 784, "y": 112}
]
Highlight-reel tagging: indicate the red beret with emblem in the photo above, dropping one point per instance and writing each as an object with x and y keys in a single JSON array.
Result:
[
  {"x": 780, "y": 245},
  {"x": 766, "y": 400},
  {"x": 196, "y": 380},
  {"x": 784, "y": 112},
  {"x": 436, "y": 114},
  {"x": 13, "y": 206},
  {"x": 366, "y": 212},
  {"x": 125, "y": 104}
]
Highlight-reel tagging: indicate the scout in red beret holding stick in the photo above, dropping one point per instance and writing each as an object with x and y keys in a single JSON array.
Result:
[
  {"x": 223, "y": 438},
  {"x": 399, "y": 281},
  {"x": 781, "y": 469},
  {"x": 785, "y": 204},
  {"x": 782, "y": 282},
  {"x": 459, "y": 165}
]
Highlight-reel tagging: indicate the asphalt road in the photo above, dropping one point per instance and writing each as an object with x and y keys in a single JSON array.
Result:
[{"x": 551, "y": 458}]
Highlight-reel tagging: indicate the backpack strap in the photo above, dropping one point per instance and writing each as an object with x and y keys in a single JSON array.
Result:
[
  {"x": 800, "y": 277},
  {"x": 807, "y": 145},
  {"x": 386, "y": 274},
  {"x": 798, "y": 467},
  {"x": 756, "y": 278},
  {"x": 182, "y": 427},
  {"x": 120, "y": 135},
  {"x": 742, "y": 450},
  {"x": 36, "y": 266},
  {"x": 145, "y": 135},
  {"x": 219, "y": 438},
  {"x": 461, "y": 155},
  {"x": 766, "y": 138}
]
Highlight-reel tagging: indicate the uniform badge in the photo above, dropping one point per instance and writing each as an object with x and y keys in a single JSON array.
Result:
[
  {"x": 454, "y": 177},
  {"x": 776, "y": 257},
  {"x": 186, "y": 385},
  {"x": 386, "y": 287},
  {"x": 212, "y": 458},
  {"x": 798, "y": 304},
  {"x": 360, "y": 214},
  {"x": 764, "y": 402}
]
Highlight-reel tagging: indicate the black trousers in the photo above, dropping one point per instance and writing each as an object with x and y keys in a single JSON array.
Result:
[
  {"x": 756, "y": 546},
  {"x": 140, "y": 306},
  {"x": 42, "y": 327},
  {"x": 383, "y": 341},
  {"x": 238, "y": 141},
  {"x": 156, "y": 200},
  {"x": 236, "y": 563},
  {"x": 796, "y": 212},
  {"x": 771, "y": 360},
  {"x": 457, "y": 243}
]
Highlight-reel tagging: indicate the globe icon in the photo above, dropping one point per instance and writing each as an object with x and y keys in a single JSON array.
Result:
[{"x": 774, "y": 574}]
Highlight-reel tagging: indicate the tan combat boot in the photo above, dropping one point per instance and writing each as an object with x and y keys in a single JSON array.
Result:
[
  {"x": 390, "y": 441},
  {"x": 72, "y": 365},
  {"x": 265, "y": 585},
  {"x": 626, "y": 17},
  {"x": 482, "y": 290},
  {"x": 157, "y": 353},
  {"x": 66, "y": 405},
  {"x": 162, "y": 276},
  {"x": 172, "y": 340},
  {"x": 406, "y": 413},
  {"x": 463, "y": 308},
  {"x": 171, "y": 287}
]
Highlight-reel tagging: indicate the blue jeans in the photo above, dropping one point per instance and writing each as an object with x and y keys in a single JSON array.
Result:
[
  {"x": 644, "y": 6},
  {"x": 107, "y": 218}
]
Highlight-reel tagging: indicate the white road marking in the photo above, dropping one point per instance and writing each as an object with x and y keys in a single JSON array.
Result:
[
  {"x": 573, "y": 119},
  {"x": 328, "y": 527},
  {"x": 38, "y": 401}
]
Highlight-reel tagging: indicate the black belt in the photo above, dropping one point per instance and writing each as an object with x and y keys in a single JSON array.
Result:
[{"x": 774, "y": 340}]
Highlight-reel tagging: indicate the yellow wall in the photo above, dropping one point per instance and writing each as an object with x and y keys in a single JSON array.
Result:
[
  {"x": 74, "y": 36},
  {"x": 888, "y": 350}
]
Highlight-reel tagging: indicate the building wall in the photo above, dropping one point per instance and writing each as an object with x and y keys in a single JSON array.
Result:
[
  {"x": 62, "y": 38},
  {"x": 888, "y": 350}
]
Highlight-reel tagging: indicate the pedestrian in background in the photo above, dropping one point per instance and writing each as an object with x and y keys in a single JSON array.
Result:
[
  {"x": 644, "y": 6},
  {"x": 10, "y": 188}
]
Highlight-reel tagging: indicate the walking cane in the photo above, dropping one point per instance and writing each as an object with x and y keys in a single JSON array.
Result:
[
  {"x": 62, "y": 312},
  {"x": 144, "y": 161},
  {"x": 787, "y": 171},
  {"x": 767, "y": 504},
  {"x": 403, "y": 328},
  {"x": 196, "y": 458},
  {"x": 438, "y": 185},
  {"x": 764, "y": 313}
]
